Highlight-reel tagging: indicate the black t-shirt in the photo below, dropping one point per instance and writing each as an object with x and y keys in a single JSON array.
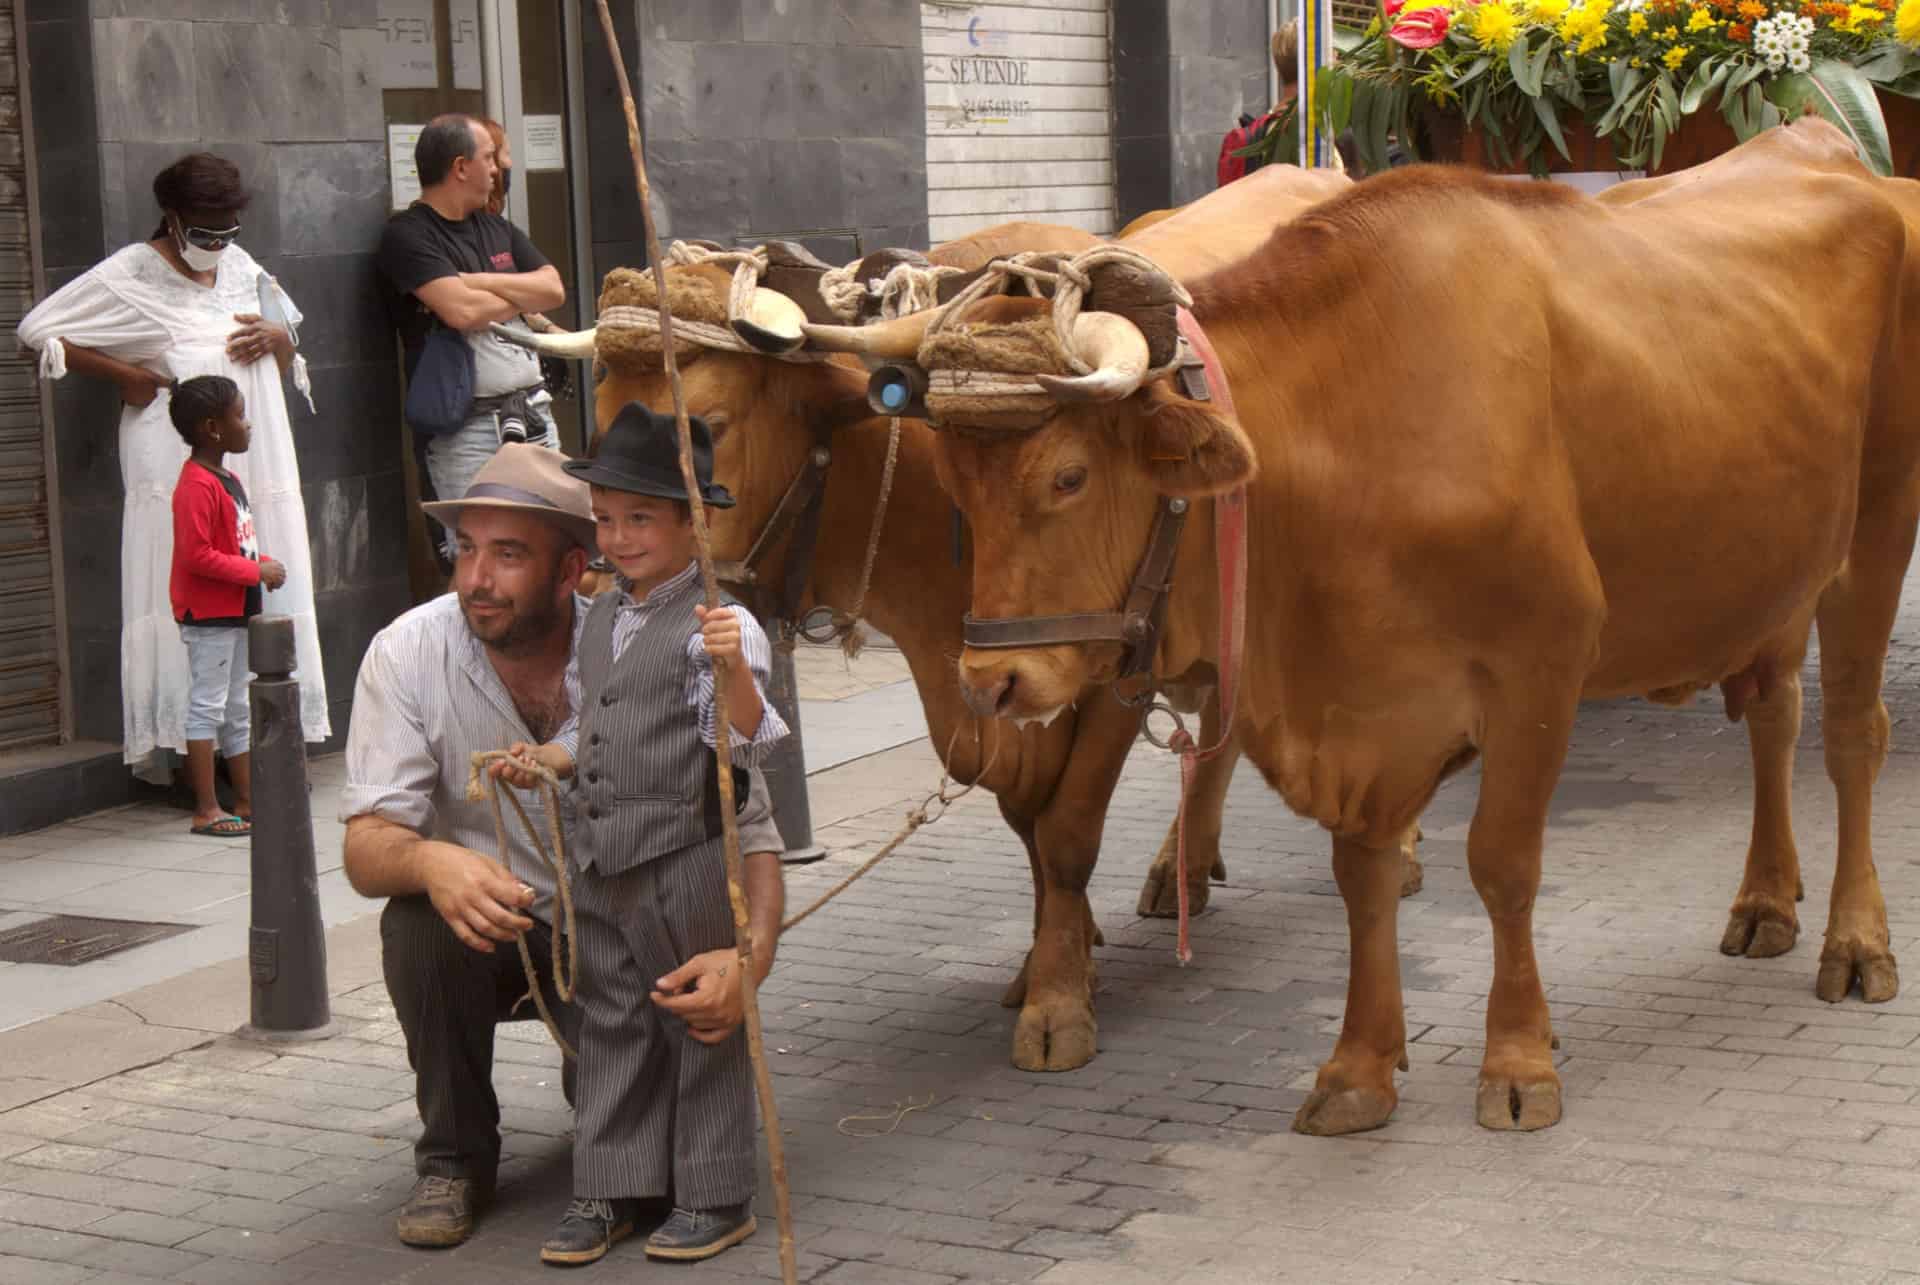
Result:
[{"x": 419, "y": 246}]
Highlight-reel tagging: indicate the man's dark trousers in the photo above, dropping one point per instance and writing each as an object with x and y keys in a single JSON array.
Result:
[{"x": 448, "y": 997}]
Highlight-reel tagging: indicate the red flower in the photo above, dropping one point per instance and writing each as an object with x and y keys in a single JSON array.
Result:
[
  {"x": 1392, "y": 8},
  {"x": 1740, "y": 31},
  {"x": 1421, "y": 29}
]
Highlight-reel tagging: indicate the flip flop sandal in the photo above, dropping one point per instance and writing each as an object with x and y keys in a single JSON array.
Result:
[{"x": 225, "y": 828}]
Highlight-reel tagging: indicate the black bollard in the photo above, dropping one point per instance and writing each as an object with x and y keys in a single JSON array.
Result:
[
  {"x": 785, "y": 770},
  {"x": 286, "y": 949}
]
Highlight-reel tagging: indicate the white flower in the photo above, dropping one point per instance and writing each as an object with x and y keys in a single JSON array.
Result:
[{"x": 1799, "y": 62}]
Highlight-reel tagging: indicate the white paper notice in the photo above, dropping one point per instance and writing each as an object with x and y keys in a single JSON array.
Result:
[
  {"x": 544, "y": 147},
  {"x": 402, "y": 175}
]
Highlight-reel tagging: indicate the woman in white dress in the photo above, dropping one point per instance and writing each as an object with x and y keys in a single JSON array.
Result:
[{"x": 187, "y": 302}]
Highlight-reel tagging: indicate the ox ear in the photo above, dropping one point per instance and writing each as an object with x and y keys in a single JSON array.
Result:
[
  {"x": 1149, "y": 299},
  {"x": 1188, "y": 450}
]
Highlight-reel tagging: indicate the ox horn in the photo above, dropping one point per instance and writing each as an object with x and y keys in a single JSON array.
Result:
[
  {"x": 577, "y": 344},
  {"x": 1116, "y": 350},
  {"x": 896, "y": 340},
  {"x": 772, "y": 324}
]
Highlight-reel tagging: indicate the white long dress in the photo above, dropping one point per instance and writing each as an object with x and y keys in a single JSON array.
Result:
[{"x": 135, "y": 306}]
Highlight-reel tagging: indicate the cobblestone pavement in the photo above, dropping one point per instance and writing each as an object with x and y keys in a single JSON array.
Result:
[{"x": 1721, "y": 1122}]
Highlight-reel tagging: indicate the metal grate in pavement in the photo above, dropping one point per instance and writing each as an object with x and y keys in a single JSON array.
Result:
[{"x": 70, "y": 940}]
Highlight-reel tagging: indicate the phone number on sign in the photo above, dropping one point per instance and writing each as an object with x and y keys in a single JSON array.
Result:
[{"x": 975, "y": 108}]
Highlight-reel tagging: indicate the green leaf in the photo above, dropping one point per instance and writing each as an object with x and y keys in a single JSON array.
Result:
[
  {"x": 1549, "y": 121},
  {"x": 1734, "y": 108},
  {"x": 1889, "y": 64},
  {"x": 1745, "y": 76},
  {"x": 1668, "y": 96},
  {"x": 1659, "y": 141},
  {"x": 1697, "y": 86},
  {"x": 1366, "y": 99},
  {"x": 1478, "y": 69},
  {"x": 1537, "y": 68},
  {"x": 1840, "y": 93},
  {"x": 1521, "y": 66}
]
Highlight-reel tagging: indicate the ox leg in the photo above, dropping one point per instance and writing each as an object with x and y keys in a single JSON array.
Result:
[
  {"x": 1355, "y": 1089},
  {"x": 1763, "y": 921},
  {"x": 1056, "y": 1029},
  {"x": 1016, "y": 994},
  {"x": 1519, "y": 1088},
  {"x": 1856, "y": 619},
  {"x": 1160, "y": 896}
]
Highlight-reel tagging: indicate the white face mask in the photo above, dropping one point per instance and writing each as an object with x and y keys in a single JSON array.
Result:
[{"x": 194, "y": 257}]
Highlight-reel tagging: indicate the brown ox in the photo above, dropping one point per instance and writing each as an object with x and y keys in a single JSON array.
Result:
[
  {"x": 1592, "y": 449},
  {"x": 1053, "y": 782}
]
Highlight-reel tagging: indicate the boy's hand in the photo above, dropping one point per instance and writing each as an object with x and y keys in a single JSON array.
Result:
[
  {"x": 272, "y": 573},
  {"x": 721, "y": 631},
  {"x": 551, "y": 757},
  {"x": 704, "y": 992}
]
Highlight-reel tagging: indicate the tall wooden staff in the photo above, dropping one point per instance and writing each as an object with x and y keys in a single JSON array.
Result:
[{"x": 742, "y": 930}]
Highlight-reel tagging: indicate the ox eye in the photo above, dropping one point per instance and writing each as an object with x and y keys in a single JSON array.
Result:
[
  {"x": 717, "y": 425},
  {"x": 1070, "y": 480}
]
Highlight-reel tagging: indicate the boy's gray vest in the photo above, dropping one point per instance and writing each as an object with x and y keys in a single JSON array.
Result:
[{"x": 644, "y": 784}]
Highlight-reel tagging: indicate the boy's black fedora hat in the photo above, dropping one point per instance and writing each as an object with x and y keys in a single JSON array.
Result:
[{"x": 640, "y": 453}]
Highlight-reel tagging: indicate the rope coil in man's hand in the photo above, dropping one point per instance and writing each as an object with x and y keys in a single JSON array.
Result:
[{"x": 483, "y": 784}]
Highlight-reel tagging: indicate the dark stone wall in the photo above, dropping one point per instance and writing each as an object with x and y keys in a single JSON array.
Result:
[
  {"x": 1182, "y": 74},
  {"x": 803, "y": 120},
  {"x": 289, "y": 92}
]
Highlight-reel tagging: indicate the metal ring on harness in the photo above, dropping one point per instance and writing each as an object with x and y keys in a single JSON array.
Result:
[
  {"x": 821, "y": 626},
  {"x": 1158, "y": 706}
]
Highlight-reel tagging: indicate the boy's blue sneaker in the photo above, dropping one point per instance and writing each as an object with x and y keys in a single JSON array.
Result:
[
  {"x": 693, "y": 1234},
  {"x": 588, "y": 1230}
]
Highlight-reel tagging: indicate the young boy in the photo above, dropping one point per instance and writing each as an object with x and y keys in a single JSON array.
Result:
[
  {"x": 664, "y": 1102},
  {"x": 215, "y": 587}
]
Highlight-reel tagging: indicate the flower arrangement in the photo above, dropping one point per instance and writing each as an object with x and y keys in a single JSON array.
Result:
[{"x": 1516, "y": 70}]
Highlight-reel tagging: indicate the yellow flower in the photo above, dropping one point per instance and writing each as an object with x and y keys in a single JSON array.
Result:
[
  {"x": 1585, "y": 27},
  {"x": 1548, "y": 12},
  {"x": 1636, "y": 63},
  {"x": 1906, "y": 23},
  {"x": 1637, "y": 22},
  {"x": 1675, "y": 56},
  {"x": 1859, "y": 18},
  {"x": 1701, "y": 20},
  {"x": 1494, "y": 24}
]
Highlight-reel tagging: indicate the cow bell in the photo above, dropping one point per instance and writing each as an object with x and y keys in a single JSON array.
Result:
[{"x": 898, "y": 388}]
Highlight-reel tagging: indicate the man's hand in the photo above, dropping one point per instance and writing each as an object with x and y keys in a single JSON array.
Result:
[
  {"x": 721, "y": 631},
  {"x": 477, "y": 897},
  {"x": 704, "y": 992},
  {"x": 272, "y": 573},
  {"x": 256, "y": 339},
  {"x": 552, "y": 757},
  {"x": 139, "y": 386}
]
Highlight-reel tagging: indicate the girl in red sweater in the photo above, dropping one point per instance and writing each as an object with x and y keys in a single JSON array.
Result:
[{"x": 218, "y": 575}]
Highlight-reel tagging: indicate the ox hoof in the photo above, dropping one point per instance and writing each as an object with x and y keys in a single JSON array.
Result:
[
  {"x": 1160, "y": 895},
  {"x": 1841, "y": 965},
  {"x": 1759, "y": 930},
  {"x": 1057, "y": 1036},
  {"x": 1219, "y": 872},
  {"x": 1512, "y": 1104},
  {"x": 1328, "y": 1112},
  {"x": 1413, "y": 877}
]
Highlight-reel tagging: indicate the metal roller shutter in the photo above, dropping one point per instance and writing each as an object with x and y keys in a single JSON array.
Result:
[
  {"x": 1019, "y": 114},
  {"x": 30, "y": 684}
]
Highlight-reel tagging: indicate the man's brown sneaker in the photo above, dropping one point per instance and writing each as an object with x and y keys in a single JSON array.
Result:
[{"x": 441, "y": 1211}]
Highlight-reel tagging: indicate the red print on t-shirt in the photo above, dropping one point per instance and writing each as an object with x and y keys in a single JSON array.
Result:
[{"x": 504, "y": 261}]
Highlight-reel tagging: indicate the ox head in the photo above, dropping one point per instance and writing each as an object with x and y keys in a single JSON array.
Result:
[
  {"x": 765, "y": 414},
  {"x": 1061, "y": 428}
]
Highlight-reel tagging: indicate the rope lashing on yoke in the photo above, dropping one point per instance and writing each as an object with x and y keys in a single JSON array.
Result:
[
  {"x": 748, "y": 266},
  {"x": 483, "y": 784},
  {"x": 1071, "y": 281},
  {"x": 906, "y": 288}
]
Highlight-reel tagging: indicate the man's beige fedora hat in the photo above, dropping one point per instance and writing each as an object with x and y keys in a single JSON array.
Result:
[{"x": 529, "y": 479}]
